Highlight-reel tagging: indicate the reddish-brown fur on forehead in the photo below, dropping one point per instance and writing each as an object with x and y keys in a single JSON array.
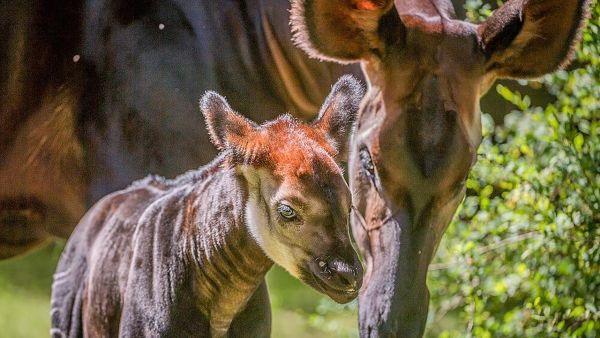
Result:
[{"x": 292, "y": 148}]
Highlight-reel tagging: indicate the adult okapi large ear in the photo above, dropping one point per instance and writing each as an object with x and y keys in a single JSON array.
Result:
[
  {"x": 339, "y": 111},
  {"x": 529, "y": 38},
  {"x": 226, "y": 128},
  {"x": 338, "y": 30}
]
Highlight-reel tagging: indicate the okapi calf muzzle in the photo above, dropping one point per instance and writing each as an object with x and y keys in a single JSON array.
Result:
[{"x": 340, "y": 278}]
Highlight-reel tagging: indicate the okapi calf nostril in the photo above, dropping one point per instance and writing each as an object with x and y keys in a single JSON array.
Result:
[{"x": 345, "y": 274}]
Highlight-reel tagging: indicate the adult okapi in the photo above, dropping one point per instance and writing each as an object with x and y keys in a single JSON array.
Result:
[
  {"x": 419, "y": 125},
  {"x": 95, "y": 94}
]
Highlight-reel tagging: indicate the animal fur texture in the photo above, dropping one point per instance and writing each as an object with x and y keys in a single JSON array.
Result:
[{"x": 185, "y": 257}]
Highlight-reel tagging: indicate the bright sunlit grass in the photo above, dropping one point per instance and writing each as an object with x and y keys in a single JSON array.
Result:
[{"x": 298, "y": 311}]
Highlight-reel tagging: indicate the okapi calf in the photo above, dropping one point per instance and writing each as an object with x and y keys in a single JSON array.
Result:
[{"x": 182, "y": 257}]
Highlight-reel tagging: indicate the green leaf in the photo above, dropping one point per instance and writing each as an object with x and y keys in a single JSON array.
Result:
[
  {"x": 578, "y": 142},
  {"x": 578, "y": 311}
]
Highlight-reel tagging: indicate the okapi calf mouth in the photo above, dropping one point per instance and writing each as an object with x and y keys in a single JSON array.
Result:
[{"x": 187, "y": 257}]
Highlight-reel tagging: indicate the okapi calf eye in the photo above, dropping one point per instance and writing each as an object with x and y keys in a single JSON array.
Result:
[{"x": 286, "y": 212}]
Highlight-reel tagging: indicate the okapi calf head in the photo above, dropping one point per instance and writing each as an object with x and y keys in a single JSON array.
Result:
[
  {"x": 419, "y": 125},
  {"x": 299, "y": 203}
]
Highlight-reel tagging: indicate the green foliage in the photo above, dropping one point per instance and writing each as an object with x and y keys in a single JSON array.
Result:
[{"x": 522, "y": 257}]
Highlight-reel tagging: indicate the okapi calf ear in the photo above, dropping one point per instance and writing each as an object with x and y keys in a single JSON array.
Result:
[
  {"x": 530, "y": 38},
  {"x": 338, "y": 113},
  {"x": 227, "y": 129}
]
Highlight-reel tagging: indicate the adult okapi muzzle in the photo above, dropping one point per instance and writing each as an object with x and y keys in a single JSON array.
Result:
[{"x": 419, "y": 124}]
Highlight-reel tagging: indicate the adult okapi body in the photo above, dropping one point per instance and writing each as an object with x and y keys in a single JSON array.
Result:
[
  {"x": 97, "y": 93},
  {"x": 180, "y": 258},
  {"x": 419, "y": 125}
]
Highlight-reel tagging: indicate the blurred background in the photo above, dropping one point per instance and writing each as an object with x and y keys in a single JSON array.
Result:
[{"x": 520, "y": 259}]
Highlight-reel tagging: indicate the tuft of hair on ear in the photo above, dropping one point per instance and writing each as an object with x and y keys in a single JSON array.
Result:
[
  {"x": 527, "y": 39},
  {"x": 338, "y": 31},
  {"x": 339, "y": 111},
  {"x": 498, "y": 33},
  {"x": 225, "y": 126}
]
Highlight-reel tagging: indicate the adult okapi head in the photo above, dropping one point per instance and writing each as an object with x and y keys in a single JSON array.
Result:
[
  {"x": 299, "y": 204},
  {"x": 419, "y": 125}
]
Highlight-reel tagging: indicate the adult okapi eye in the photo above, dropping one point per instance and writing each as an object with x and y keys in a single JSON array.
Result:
[{"x": 286, "y": 212}]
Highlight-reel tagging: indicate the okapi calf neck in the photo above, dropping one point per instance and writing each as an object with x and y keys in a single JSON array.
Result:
[{"x": 183, "y": 257}]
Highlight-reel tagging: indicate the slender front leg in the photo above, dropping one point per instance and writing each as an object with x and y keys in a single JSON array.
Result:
[{"x": 255, "y": 319}]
